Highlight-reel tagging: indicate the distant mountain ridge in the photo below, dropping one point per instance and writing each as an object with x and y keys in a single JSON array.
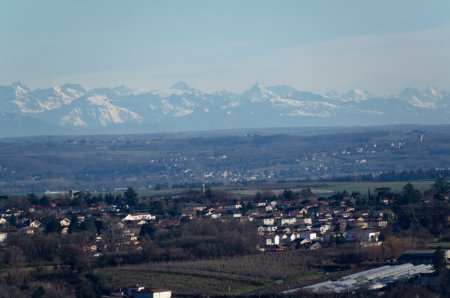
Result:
[{"x": 73, "y": 109}]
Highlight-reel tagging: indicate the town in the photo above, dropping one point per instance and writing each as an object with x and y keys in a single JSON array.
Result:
[{"x": 81, "y": 231}]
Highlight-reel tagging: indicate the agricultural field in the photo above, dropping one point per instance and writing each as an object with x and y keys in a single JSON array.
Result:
[
  {"x": 327, "y": 188},
  {"x": 243, "y": 275},
  {"x": 437, "y": 244}
]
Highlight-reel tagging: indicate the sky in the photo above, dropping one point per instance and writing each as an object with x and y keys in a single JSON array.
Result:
[{"x": 381, "y": 46}]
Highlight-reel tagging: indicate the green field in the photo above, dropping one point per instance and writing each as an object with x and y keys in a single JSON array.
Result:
[
  {"x": 364, "y": 186},
  {"x": 445, "y": 245},
  {"x": 327, "y": 188}
]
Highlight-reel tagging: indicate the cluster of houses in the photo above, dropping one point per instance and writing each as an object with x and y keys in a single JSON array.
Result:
[
  {"x": 318, "y": 225},
  {"x": 289, "y": 225},
  {"x": 120, "y": 232},
  {"x": 281, "y": 224}
]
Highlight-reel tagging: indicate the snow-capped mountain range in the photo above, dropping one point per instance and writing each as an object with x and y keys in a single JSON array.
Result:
[{"x": 73, "y": 109}]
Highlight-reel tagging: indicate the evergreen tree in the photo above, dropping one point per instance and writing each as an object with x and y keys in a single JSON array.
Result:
[
  {"x": 439, "y": 262},
  {"x": 441, "y": 186},
  {"x": 410, "y": 194},
  {"x": 131, "y": 197}
]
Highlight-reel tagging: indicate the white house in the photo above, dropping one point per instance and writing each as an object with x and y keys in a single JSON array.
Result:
[
  {"x": 286, "y": 238},
  {"x": 268, "y": 208},
  {"x": 273, "y": 240},
  {"x": 139, "y": 217},
  {"x": 65, "y": 222},
  {"x": 370, "y": 235},
  {"x": 302, "y": 212},
  {"x": 262, "y": 229},
  {"x": 3, "y": 236},
  {"x": 288, "y": 221},
  {"x": 216, "y": 215},
  {"x": 321, "y": 228},
  {"x": 269, "y": 221},
  {"x": 35, "y": 224}
]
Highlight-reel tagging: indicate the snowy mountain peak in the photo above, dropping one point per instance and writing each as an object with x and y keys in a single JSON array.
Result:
[
  {"x": 258, "y": 93},
  {"x": 356, "y": 95},
  {"x": 19, "y": 88},
  {"x": 19, "y": 84},
  {"x": 434, "y": 93},
  {"x": 124, "y": 90},
  {"x": 72, "y": 108},
  {"x": 430, "y": 94},
  {"x": 182, "y": 86},
  {"x": 75, "y": 87},
  {"x": 97, "y": 109}
]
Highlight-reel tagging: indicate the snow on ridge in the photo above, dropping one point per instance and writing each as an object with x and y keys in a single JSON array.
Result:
[
  {"x": 74, "y": 118},
  {"x": 167, "y": 92},
  {"x": 301, "y": 113},
  {"x": 106, "y": 112},
  {"x": 422, "y": 105},
  {"x": 258, "y": 93},
  {"x": 182, "y": 112},
  {"x": 300, "y": 103}
]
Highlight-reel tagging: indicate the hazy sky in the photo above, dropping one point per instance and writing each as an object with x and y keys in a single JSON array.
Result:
[{"x": 381, "y": 46}]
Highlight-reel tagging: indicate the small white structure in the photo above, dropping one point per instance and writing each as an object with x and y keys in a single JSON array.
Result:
[
  {"x": 35, "y": 224},
  {"x": 130, "y": 291},
  {"x": 273, "y": 240},
  {"x": 321, "y": 228},
  {"x": 370, "y": 235},
  {"x": 269, "y": 221},
  {"x": 65, "y": 222},
  {"x": 288, "y": 221},
  {"x": 141, "y": 292},
  {"x": 153, "y": 293},
  {"x": 287, "y": 238},
  {"x": 3, "y": 236}
]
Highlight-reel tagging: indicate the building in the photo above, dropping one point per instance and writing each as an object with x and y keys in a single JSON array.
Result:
[
  {"x": 3, "y": 236},
  {"x": 130, "y": 291},
  {"x": 139, "y": 217},
  {"x": 373, "y": 279},
  {"x": 153, "y": 293}
]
